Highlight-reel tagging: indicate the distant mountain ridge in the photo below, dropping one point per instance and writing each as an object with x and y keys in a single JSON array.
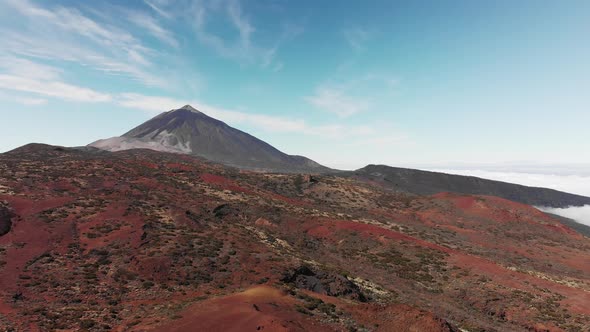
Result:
[
  {"x": 189, "y": 131},
  {"x": 428, "y": 183}
]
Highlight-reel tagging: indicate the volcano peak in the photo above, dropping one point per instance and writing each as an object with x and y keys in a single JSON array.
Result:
[{"x": 187, "y": 130}]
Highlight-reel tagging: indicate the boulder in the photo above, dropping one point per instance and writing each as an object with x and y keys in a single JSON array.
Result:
[{"x": 6, "y": 216}]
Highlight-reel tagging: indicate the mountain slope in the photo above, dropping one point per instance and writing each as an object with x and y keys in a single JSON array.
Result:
[
  {"x": 141, "y": 240},
  {"x": 578, "y": 227},
  {"x": 186, "y": 130},
  {"x": 428, "y": 183}
]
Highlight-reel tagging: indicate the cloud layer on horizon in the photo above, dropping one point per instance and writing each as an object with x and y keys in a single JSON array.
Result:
[
  {"x": 571, "y": 183},
  {"x": 575, "y": 184},
  {"x": 580, "y": 214}
]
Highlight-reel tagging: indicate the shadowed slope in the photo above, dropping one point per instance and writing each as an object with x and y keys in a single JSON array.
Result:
[
  {"x": 428, "y": 183},
  {"x": 186, "y": 130}
]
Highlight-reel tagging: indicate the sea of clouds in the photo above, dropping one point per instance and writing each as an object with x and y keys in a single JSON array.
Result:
[
  {"x": 580, "y": 214},
  {"x": 571, "y": 180}
]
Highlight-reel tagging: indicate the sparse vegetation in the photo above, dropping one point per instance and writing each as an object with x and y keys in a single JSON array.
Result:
[{"x": 135, "y": 237}]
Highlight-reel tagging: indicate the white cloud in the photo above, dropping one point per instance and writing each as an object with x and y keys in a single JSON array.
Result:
[
  {"x": 54, "y": 89},
  {"x": 571, "y": 183},
  {"x": 336, "y": 101},
  {"x": 386, "y": 140},
  {"x": 558, "y": 177},
  {"x": 344, "y": 96},
  {"x": 74, "y": 21},
  {"x": 30, "y": 101},
  {"x": 357, "y": 37},
  {"x": 352, "y": 135},
  {"x": 278, "y": 67},
  {"x": 26, "y": 68},
  {"x": 106, "y": 48},
  {"x": 24, "y": 75},
  {"x": 101, "y": 38},
  {"x": 151, "y": 25},
  {"x": 241, "y": 46},
  {"x": 155, "y": 7},
  {"x": 66, "y": 34},
  {"x": 246, "y": 29},
  {"x": 152, "y": 104},
  {"x": 580, "y": 214},
  {"x": 156, "y": 104}
]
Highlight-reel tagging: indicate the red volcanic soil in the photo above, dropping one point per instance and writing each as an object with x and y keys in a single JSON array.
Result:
[
  {"x": 288, "y": 200},
  {"x": 461, "y": 201},
  {"x": 326, "y": 228},
  {"x": 260, "y": 308},
  {"x": 574, "y": 297},
  {"x": 178, "y": 166},
  {"x": 128, "y": 228},
  {"x": 375, "y": 231},
  {"x": 503, "y": 210},
  {"x": 32, "y": 236},
  {"x": 264, "y": 222},
  {"x": 222, "y": 182},
  {"x": 264, "y": 308},
  {"x": 400, "y": 318},
  {"x": 147, "y": 241},
  {"x": 228, "y": 184}
]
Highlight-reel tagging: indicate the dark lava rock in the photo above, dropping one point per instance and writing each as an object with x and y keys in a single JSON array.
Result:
[
  {"x": 224, "y": 210},
  {"x": 308, "y": 178},
  {"x": 323, "y": 282},
  {"x": 5, "y": 219}
]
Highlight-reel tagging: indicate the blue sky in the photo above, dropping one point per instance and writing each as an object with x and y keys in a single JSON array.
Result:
[{"x": 345, "y": 83}]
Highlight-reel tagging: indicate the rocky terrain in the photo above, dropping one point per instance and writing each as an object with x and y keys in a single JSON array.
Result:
[
  {"x": 189, "y": 131},
  {"x": 142, "y": 240}
]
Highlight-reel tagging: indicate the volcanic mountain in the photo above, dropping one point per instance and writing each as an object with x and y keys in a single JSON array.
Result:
[{"x": 189, "y": 131}]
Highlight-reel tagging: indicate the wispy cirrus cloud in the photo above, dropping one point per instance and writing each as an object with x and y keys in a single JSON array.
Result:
[
  {"x": 157, "y": 104},
  {"x": 358, "y": 37},
  {"x": 337, "y": 101},
  {"x": 150, "y": 104},
  {"x": 24, "y": 75},
  {"x": 156, "y": 7},
  {"x": 85, "y": 35},
  {"x": 242, "y": 46},
  {"x": 68, "y": 34},
  {"x": 69, "y": 19},
  {"x": 348, "y": 97},
  {"x": 150, "y": 24},
  {"x": 353, "y": 134},
  {"x": 52, "y": 89},
  {"x": 22, "y": 67},
  {"x": 23, "y": 100}
]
